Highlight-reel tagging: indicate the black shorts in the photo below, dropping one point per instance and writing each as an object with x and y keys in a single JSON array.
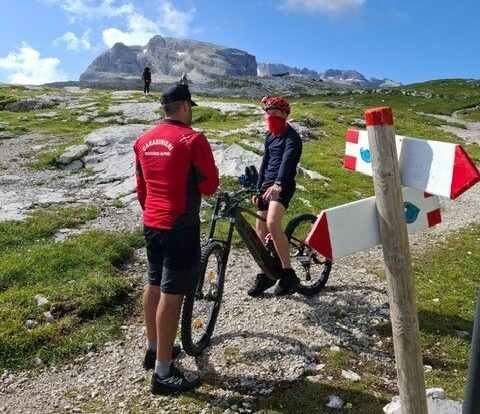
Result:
[
  {"x": 173, "y": 259},
  {"x": 283, "y": 198}
]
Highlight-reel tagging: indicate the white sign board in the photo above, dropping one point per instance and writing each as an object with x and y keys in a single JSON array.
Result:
[
  {"x": 436, "y": 167},
  {"x": 353, "y": 227}
]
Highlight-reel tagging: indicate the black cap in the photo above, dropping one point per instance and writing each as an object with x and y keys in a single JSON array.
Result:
[{"x": 175, "y": 93}]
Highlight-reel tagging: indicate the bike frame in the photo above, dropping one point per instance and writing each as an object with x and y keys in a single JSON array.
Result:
[{"x": 227, "y": 208}]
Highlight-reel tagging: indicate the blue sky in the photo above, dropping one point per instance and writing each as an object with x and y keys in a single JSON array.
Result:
[{"x": 404, "y": 40}]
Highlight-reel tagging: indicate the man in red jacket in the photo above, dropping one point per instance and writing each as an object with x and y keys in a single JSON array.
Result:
[{"x": 175, "y": 166}]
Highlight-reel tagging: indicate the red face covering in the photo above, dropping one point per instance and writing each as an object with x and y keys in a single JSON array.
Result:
[{"x": 276, "y": 124}]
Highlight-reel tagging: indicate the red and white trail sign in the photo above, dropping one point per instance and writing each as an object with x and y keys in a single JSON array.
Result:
[
  {"x": 353, "y": 227},
  {"x": 435, "y": 167}
]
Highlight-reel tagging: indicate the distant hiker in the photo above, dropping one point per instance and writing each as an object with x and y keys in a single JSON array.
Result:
[
  {"x": 276, "y": 180},
  {"x": 184, "y": 79},
  {"x": 147, "y": 79},
  {"x": 175, "y": 166}
]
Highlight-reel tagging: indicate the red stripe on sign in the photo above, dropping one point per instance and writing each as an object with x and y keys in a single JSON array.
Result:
[
  {"x": 379, "y": 116},
  {"x": 319, "y": 237},
  {"x": 434, "y": 217},
  {"x": 427, "y": 195},
  {"x": 465, "y": 173},
  {"x": 349, "y": 162},
  {"x": 352, "y": 136}
]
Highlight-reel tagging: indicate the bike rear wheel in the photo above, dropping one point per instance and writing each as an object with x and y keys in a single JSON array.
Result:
[
  {"x": 200, "y": 311},
  {"x": 310, "y": 266}
]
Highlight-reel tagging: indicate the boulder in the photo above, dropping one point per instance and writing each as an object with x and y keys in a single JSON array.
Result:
[
  {"x": 27, "y": 105},
  {"x": 75, "y": 152},
  {"x": 436, "y": 403}
]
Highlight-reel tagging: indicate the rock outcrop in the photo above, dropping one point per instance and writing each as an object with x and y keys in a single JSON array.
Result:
[
  {"x": 337, "y": 76},
  {"x": 168, "y": 59},
  {"x": 276, "y": 69}
]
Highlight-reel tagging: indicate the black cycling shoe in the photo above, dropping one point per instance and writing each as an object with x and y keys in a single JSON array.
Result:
[
  {"x": 262, "y": 283},
  {"x": 288, "y": 283},
  {"x": 175, "y": 381},
  {"x": 151, "y": 357}
]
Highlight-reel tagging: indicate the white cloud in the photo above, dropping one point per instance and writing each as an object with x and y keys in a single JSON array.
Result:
[
  {"x": 175, "y": 21},
  {"x": 93, "y": 8},
  {"x": 73, "y": 42},
  {"x": 27, "y": 67},
  {"x": 108, "y": 9},
  {"x": 330, "y": 7},
  {"x": 140, "y": 31}
]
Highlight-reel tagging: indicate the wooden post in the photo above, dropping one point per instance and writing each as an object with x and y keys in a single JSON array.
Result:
[{"x": 396, "y": 253}]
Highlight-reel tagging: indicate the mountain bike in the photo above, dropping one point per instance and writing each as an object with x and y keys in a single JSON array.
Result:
[{"x": 200, "y": 311}]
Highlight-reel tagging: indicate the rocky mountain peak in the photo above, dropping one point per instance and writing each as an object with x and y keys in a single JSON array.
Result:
[
  {"x": 169, "y": 58},
  {"x": 156, "y": 42}
]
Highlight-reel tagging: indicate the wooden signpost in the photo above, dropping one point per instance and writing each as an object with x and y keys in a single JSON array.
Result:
[
  {"x": 425, "y": 168},
  {"x": 398, "y": 265}
]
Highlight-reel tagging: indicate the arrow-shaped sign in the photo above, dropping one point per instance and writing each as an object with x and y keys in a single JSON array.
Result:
[
  {"x": 353, "y": 227},
  {"x": 436, "y": 167}
]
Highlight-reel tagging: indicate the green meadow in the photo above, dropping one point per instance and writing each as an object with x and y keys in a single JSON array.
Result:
[{"x": 91, "y": 295}]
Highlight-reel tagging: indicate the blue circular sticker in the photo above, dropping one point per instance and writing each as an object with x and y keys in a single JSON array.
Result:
[
  {"x": 411, "y": 212},
  {"x": 365, "y": 154}
]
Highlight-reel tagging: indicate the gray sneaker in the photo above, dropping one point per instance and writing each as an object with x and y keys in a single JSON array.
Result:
[
  {"x": 261, "y": 284},
  {"x": 175, "y": 381},
  {"x": 288, "y": 283}
]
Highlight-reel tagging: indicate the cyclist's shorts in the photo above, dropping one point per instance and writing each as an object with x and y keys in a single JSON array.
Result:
[
  {"x": 283, "y": 198},
  {"x": 173, "y": 259}
]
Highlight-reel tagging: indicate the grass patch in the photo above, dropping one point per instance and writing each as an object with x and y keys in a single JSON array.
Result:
[
  {"x": 210, "y": 118},
  {"x": 471, "y": 115},
  {"x": 447, "y": 282},
  {"x": 86, "y": 294},
  {"x": 47, "y": 159},
  {"x": 310, "y": 397},
  {"x": 41, "y": 226}
]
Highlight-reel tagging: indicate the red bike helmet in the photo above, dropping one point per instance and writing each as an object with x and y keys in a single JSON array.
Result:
[{"x": 276, "y": 102}]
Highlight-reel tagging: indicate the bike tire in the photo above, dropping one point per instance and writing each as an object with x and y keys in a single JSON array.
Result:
[
  {"x": 303, "y": 256},
  {"x": 195, "y": 331}
]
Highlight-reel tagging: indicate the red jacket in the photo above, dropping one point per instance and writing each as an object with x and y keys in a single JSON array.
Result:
[{"x": 175, "y": 166}]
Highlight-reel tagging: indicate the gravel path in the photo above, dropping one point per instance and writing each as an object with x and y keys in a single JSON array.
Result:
[
  {"x": 471, "y": 132},
  {"x": 258, "y": 343}
]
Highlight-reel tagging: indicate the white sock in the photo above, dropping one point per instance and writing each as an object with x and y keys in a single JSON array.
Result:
[
  {"x": 152, "y": 345},
  {"x": 162, "y": 369}
]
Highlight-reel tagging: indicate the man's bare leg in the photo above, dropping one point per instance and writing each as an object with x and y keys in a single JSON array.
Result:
[
  {"x": 165, "y": 380},
  {"x": 262, "y": 282},
  {"x": 261, "y": 227},
  {"x": 168, "y": 315},
  {"x": 151, "y": 297},
  {"x": 275, "y": 213}
]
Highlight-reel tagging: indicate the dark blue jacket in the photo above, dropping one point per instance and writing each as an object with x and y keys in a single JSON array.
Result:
[
  {"x": 281, "y": 157},
  {"x": 147, "y": 75}
]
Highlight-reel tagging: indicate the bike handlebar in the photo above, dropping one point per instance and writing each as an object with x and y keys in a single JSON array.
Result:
[{"x": 235, "y": 194}]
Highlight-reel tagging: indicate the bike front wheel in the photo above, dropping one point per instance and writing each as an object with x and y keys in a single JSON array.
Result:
[
  {"x": 200, "y": 311},
  {"x": 310, "y": 266}
]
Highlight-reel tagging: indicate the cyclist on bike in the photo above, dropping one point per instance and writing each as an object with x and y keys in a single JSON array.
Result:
[
  {"x": 276, "y": 180},
  {"x": 175, "y": 165}
]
